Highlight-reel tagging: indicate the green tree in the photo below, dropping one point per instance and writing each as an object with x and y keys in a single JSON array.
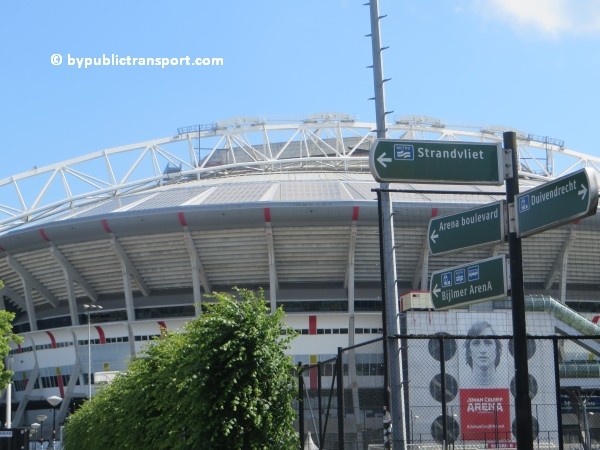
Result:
[
  {"x": 6, "y": 337},
  {"x": 224, "y": 383}
]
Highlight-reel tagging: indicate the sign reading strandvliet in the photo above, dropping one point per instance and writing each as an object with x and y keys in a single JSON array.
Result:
[
  {"x": 436, "y": 162},
  {"x": 556, "y": 202},
  {"x": 470, "y": 283},
  {"x": 473, "y": 228}
]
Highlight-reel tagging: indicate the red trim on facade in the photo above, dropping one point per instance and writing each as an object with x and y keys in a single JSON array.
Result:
[
  {"x": 44, "y": 235},
  {"x": 52, "y": 339},
  {"x": 101, "y": 335},
  {"x": 267, "y": 212},
  {"x": 105, "y": 226},
  {"x": 595, "y": 319},
  {"x": 312, "y": 324},
  {"x": 59, "y": 380},
  {"x": 313, "y": 381},
  {"x": 355, "y": 213},
  {"x": 434, "y": 212},
  {"x": 182, "y": 221}
]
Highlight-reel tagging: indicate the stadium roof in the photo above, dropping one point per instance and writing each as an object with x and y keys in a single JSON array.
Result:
[{"x": 257, "y": 204}]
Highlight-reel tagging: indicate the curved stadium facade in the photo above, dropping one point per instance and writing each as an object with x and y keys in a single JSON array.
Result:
[{"x": 147, "y": 231}]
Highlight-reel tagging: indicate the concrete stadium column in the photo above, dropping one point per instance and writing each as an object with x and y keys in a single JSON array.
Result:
[{"x": 31, "y": 315}]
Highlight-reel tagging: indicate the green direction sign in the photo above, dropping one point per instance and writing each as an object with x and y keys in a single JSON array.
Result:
[
  {"x": 470, "y": 283},
  {"x": 436, "y": 162},
  {"x": 473, "y": 228},
  {"x": 556, "y": 202}
]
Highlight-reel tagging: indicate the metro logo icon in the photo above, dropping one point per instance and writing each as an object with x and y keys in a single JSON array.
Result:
[
  {"x": 524, "y": 203},
  {"x": 404, "y": 152},
  {"x": 473, "y": 273}
]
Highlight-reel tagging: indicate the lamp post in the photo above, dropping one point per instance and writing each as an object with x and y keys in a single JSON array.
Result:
[
  {"x": 89, "y": 309},
  {"x": 9, "y": 395},
  {"x": 35, "y": 427},
  {"x": 41, "y": 418},
  {"x": 54, "y": 401},
  {"x": 412, "y": 427}
]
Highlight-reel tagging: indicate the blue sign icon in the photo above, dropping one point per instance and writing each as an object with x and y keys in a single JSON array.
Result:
[
  {"x": 404, "y": 152},
  {"x": 447, "y": 279},
  {"x": 459, "y": 276},
  {"x": 473, "y": 273},
  {"x": 524, "y": 203}
]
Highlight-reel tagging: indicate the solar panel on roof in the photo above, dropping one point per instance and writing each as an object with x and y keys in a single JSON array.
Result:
[{"x": 169, "y": 198}]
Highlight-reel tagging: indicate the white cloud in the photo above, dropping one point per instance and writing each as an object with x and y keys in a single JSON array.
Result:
[{"x": 552, "y": 18}]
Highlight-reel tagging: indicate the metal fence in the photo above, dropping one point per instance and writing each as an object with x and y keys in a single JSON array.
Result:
[{"x": 458, "y": 393}]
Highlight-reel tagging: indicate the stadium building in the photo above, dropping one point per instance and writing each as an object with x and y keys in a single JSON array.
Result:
[{"x": 102, "y": 252}]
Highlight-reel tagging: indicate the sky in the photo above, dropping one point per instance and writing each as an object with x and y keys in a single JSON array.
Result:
[{"x": 531, "y": 65}]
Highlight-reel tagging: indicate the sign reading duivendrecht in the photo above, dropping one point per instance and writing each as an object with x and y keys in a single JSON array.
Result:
[{"x": 556, "y": 202}]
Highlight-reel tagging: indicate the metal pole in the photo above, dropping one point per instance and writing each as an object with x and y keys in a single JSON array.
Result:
[
  {"x": 443, "y": 393},
  {"x": 89, "y": 356},
  {"x": 557, "y": 390},
  {"x": 522, "y": 400},
  {"x": 53, "y": 426},
  {"x": 89, "y": 309},
  {"x": 340, "y": 396},
  {"x": 320, "y": 405},
  {"x": 9, "y": 397},
  {"x": 384, "y": 314},
  {"x": 301, "y": 405},
  {"x": 395, "y": 404}
]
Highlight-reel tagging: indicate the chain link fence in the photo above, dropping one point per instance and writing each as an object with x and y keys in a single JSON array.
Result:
[{"x": 458, "y": 393}]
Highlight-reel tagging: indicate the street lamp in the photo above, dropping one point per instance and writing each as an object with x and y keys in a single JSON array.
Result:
[
  {"x": 35, "y": 427},
  {"x": 9, "y": 395},
  {"x": 89, "y": 309},
  {"x": 412, "y": 428},
  {"x": 41, "y": 418},
  {"x": 54, "y": 401}
]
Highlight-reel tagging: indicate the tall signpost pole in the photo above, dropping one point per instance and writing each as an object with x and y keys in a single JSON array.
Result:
[
  {"x": 394, "y": 394},
  {"x": 523, "y": 417}
]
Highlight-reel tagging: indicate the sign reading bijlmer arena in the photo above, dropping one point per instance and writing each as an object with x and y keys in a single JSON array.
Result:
[
  {"x": 470, "y": 283},
  {"x": 436, "y": 162}
]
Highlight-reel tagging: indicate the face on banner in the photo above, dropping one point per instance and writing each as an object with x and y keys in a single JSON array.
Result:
[{"x": 484, "y": 393}]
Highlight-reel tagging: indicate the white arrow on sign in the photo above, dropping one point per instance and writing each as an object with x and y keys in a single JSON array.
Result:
[
  {"x": 582, "y": 191},
  {"x": 434, "y": 236},
  {"x": 383, "y": 160},
  {"x": 436, "y": 290}
]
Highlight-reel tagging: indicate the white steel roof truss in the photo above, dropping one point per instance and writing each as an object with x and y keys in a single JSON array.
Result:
[
  {"x": 130, "y": 269},
  {"x": 561, "y": 260},
  {"x": 72, "y": 273},
  {"x": 32, "y": 282},
  {"x": 196, "y": 261}
]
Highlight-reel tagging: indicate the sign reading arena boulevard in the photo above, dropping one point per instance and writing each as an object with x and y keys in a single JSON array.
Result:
[
  {"x": 557, "y": 202},
  {"x": 436, "y": 162},
  {"x": 473, "y": 228},
  {"x": 470, "y": 283}
]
